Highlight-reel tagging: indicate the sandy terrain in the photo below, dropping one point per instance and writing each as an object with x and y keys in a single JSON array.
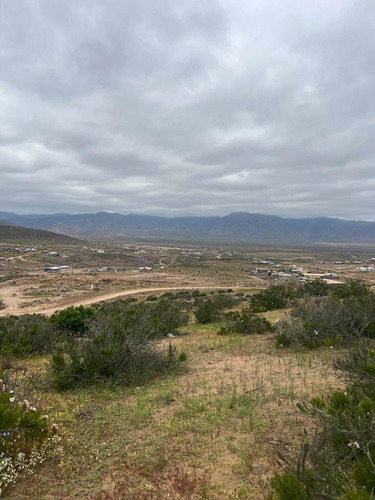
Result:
[{"x": 88, "y": 300}]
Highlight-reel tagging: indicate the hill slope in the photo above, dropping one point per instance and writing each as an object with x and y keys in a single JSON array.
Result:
[{"x": 17, "y": 233}]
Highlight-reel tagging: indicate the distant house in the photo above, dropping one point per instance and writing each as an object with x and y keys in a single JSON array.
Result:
[
  {"x": 52, "y": 269},
  {"x": 144, "y": 269}
]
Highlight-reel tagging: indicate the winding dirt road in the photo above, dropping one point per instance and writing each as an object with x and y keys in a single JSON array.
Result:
[{"x": 93, "y": 299}]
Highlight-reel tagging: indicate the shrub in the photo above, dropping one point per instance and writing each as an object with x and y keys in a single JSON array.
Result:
[
  {"x": 152, "y": 320},
  {"x": 73, "y": 319},
  {"x": 288, "y": 487},
  {"x": 325, "y": 321},
  {"x": 130, "y": 299},
  {"x": 25, "y": 436},
  {"x": 316, "y": 288},
  {"x": 245, "y": 323},
  {"x": 119, "y": 345},
  {"x": 209, "y": 310},
  {"x": 274, "y": 297},
  {"x": 340, "y": 461},
  {"x": 206, "y": 312},
  {"x": 151, "y": 298},
  {"x": 351, "y": 288},
  {"x": 182, "y": 356},
  {"x": 111, "y": 353},
  {"x": 25, "y": 335}
]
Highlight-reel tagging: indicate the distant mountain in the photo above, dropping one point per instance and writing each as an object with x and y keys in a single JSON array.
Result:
[
  {"x": 23, "y": 234},
  {"x": 238, "y": 226}
]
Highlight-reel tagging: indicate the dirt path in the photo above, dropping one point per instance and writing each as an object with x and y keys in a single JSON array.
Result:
[{"x": 92, "y": 299}]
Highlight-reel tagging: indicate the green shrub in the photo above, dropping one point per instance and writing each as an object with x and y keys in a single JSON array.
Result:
[
  {"x": 151, "y": 298},
  {"x": 152, "y": 320},
  {"x": 130, "y": 299},
  {"x": 209, "y": 310},
  {"x": 119, "y": 345},
  {"x": 245, "y": 323},
  {"x": 316, "y": 288},
  {"x": 182, "y": 356},
  {"x": 274, "y": 297},
  {"x": 25, "y": 435},
  {"x": 339, "y": 462},
  {"x": 111, "y": 353},
  {"x": 24, "y": 335},
  {"x": 73, "y": 319},
  {"x": 206, "y": 312},
  {"x": 326, "y": 321},
  {"x": 288, "y": 487},
  {"x": 351, "y": 288}
]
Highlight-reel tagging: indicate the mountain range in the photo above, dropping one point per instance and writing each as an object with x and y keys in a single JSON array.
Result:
[{"x": 237, "y": 226}]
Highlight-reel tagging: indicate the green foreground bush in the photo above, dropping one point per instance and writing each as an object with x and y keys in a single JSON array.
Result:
[
  {"x": 120, "y": 345},
  {"x": 325, "y": 321},
  {"x": 26, "y": 436},
  {"x": 111, "y": 353},
  {"x": 339, "y": 462}
]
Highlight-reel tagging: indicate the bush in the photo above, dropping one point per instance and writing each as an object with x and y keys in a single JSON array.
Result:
[
  {"x": 111, "y": 353},
  {"x": 151, "y": 298},
  {"x": 25, "y": 436},
  {"x": 151, "y": 320},
  {"x": 288, "y": 487},
  {"x": 73, "y": 319},
  {"x": 209, "y": 310},
  {"x": 25, "y": 335},
  {"x": 245, "y": 323},
  {"x": 340, "y": 461},
  {"x": 119, "y": 345},
  {"x": 130, "y": 299},
  {"x": 352, "y": 288},
  {"x": 182, "y": 356},
  {"x": 325, "y": 321},
  {"x": 316, "y": 288},
  {"x": 275, "y": 297}
]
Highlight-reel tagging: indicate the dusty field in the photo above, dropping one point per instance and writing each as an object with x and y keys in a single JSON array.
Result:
[
  {"x": 211, "y": 432},
  {"x": 26, "y": 288}
]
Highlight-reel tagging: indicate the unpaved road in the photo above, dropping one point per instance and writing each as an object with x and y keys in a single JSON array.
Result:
[{"x": 93, "y": 299}]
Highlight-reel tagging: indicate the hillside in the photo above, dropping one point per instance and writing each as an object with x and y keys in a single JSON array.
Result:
[
  {"x": 241, "y": 226},
  {"x": 16, "y": 233}
]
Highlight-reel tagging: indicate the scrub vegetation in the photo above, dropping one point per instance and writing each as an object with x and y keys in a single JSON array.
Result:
[{"x": 193, "y": 395}]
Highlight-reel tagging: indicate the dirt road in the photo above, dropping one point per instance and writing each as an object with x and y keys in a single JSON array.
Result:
[{"x": 92, "y": 299}]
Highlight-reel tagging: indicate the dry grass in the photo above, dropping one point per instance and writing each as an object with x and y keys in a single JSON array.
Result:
[{"x": 211, "y": 432}]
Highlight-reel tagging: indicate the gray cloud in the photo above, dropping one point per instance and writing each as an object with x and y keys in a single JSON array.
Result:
[{"x": 175, "y": 107}]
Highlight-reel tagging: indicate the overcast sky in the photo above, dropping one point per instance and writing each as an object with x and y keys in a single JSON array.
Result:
[{"x": 176, "y": 107}]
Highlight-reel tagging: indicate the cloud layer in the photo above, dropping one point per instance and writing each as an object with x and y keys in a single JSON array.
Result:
[{"x": 174, "y": 107}]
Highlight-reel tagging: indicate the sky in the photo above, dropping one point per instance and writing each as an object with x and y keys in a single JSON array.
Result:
[{"x": 171, "y": 107}]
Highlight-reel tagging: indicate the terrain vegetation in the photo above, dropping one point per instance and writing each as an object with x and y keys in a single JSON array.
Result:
[{"x": 199, "y": 382}]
